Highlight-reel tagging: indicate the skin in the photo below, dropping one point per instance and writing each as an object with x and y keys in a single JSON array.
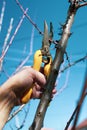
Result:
[{"x": 16, "y": 86}]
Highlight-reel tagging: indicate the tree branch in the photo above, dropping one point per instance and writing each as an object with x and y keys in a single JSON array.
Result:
[
  {"x": 12, "y": 38},
  {"x": 16, "y": 112},
  {"x": 74, "y": 63},
  {"x": 58, "y": 59},
  {"x": 28, "y": 17},
  {"x": 84, "y": 92}
]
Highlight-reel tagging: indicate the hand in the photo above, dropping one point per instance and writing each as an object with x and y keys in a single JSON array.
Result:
[
  {"x": 21, "y": 82},
  {"x": 15, "y": 87}
]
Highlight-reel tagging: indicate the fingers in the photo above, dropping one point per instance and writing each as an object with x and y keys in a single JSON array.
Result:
[
  {"x": 54, "y": 91},
  {"x": 38, "y": 88},
  {"x": 39, "y": 78},
  {"x": 37, "y": 91},
  {"x": 32, "y": 76}
]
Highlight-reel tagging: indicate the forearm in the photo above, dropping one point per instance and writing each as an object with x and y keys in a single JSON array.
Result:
[
  {"x": 9, "y": 97},
  {"x": 7, "y": 102}
]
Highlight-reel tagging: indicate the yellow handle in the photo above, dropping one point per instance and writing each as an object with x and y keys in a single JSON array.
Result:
[
  {"x": 26, "y": 97},
  {"x": 36, "y": 66},
  {"x": 47, "y": 67}
]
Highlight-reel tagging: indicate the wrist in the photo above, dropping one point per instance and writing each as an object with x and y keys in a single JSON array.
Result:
[{"x": 7, "y": 102}]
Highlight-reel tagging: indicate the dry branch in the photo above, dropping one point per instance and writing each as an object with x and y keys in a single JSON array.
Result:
[
  {"x": 76, "y": 112},
  {"x": 29, "y": 54},
  {"x": 74, "y": 63},
  {"x": 13, "y": 36},
  {"x": 58, "y": 59},
  {"x": 16, "y": 112},
  {"x": 83, "y": 94},
  {"x": 28, "y": 17},
  {"x": 2, "y": 14}
]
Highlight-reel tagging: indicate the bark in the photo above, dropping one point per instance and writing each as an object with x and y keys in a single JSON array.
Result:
[{"x": 58, "y": 59}]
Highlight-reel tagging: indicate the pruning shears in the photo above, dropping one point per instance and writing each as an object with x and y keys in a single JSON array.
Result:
[{"x": 41, "y": 56}]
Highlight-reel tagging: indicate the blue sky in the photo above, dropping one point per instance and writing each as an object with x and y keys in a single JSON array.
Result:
[{"x": 55, "y": 11}]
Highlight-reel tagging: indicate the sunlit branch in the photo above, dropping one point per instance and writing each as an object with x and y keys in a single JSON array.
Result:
[
  {"x": 29, "y": 54},
  {"x": 65, "y": 84},
  {"x": 24, "y": 120},
  {"x": 13, "y": 36},
  {"x": 5, "y": 41},
  {"x": 17, "y": 122},
  {"x": 8, "y": 35},
  {"x": 2, "y": 14},
  {"x": 58, "y": 59},
  {"x": 16, "y": 112}
]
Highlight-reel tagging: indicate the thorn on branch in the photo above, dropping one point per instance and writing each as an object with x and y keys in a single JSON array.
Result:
[
  {"x": 63, "y": 26},
  {"x": 60, "y": 33},
  {"x": 70, "y": 34},
  {"x": 57, "y": 45},
  {"x": 67, "y": 58}
]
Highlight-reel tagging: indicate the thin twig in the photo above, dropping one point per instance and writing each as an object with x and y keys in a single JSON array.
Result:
[
  {"x": 21, "y": 7},
  {"x": 83, "y": 4},
  {"x": 24, "y": 120},
  {"x": 6, "y": 40},
  {"x": 65, "y": 84},
  {"x": 73, "y": 115},
  {"x": 29, "y": 54},
  {"x": 12, "y": 38},
  {"x": 16, "y": 112},
  {"x": 76, "y": 112},
  {"x": 8, "y": 35},
  {"x": 74, "y": 63},
  {"x": 2, "y": 15},
  {"x": 83, "y": 94}
]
